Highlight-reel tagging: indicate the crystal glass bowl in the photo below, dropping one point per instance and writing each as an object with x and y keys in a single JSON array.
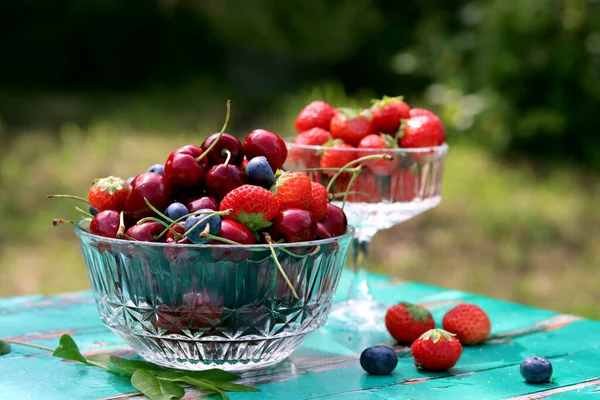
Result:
[{"x": 196, "y": 307}]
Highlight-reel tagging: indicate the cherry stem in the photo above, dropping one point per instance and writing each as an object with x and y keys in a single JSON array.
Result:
[
  {"x": 87, "y": 214},
  {"x": 226, "y": 212},
  {"x": 35, "y": 346},
  {"x": 66, "y": 196},
  {"x": 176, "y": 235},
  {"x": 330, "y": 169},
  {"x": 214, "y": 143},
  {"x": 121, "y": 230},
  {"x": 312, "y": 253},
  {"x": 220, "y": 239},
  {"x": 357, "y": 161},
  {"x": 333, "y": 196},
  {"x": 58, "y": 221},
  {"x": 157, "y": 212},
  {"x": 352, "y": 180},
  {"x": 285, "y": 277},
  {"x": 228, "y": 153}
]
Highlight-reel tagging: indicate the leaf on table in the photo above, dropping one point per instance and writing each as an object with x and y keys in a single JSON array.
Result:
[
  {"x": 4, "y": 347},
  {"x": 209, "y": 374},
  {"x": 204, "y": 384},
  {"x": 234, "y": 387},
  {"x": 131, "y": 365},
  {"x": 68, "y": 350},
  {"x": 118, "y": 370},
  {"x": 154, "y": 388}
]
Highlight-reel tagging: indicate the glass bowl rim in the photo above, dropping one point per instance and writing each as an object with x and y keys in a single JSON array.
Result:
[
  {"x": 80, "y": 232},
  {"x": 442, "y": 149}
]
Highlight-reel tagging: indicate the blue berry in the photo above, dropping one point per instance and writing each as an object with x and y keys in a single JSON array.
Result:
[
  {"x": 158, "y": 168},
  {"x": 93, "y": 210},
  {"x": 260, "y": 172},
  {"x": 536, "y": 370},
  {"x": 378, "y": 360},
  {"x": 194, "y": 234},
  {"x": 130, "y": 179},
  {"x": 176, "y": 211}
]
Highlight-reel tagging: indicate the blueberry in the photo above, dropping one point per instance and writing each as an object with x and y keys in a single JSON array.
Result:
[
  {"x": 194, "y": 234},
  {"x": 93, "y": 210},
  {"x": 260, "y": 172},
  {"x": 176, "y": 211},
  {"x": 536, "y": 370},
  {"x": 158, "y": 168},
  {"x": 378, "y": 360},
  {"x": 130, "y": 179}
]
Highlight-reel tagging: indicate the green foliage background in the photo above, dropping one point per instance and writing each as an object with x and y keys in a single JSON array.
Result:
[{"x": 97, "y": 87}]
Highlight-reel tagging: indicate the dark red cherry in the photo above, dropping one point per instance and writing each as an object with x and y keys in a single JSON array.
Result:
[
  {"x": 227, "y": 141},
  {"x": 105, "y": 223},
  {"x": 222, "y": 179},
  {"x": 323, "y": 232},
  {"x": 264, "y": 143},
  {"x": 205, "y": 202},
  {"x": 335, "y": 220},
  {"x": 145, "y": 232},
  {"x": 170, "y": 237},
  {"x": 183, "y": 171},
  {"x": 151, "y": 186},
  {"x": 236, "y": 232},
  {"x": 294, "y": 225},
  {"x": 185, "y": 196}
]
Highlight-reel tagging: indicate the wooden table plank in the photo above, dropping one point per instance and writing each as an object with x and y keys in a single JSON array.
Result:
[{"x": 326, "y": 366}]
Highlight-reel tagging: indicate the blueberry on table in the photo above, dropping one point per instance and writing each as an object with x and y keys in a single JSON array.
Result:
[
  {"x": 536, "y": 370},
  {"x": 378, "y": 360},
  {"x": 260, "y": 172},
  {"x": 158, "y": 168},
  {"x": 176, "y": 211}
]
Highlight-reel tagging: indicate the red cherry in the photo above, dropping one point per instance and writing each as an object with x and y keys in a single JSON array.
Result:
[
  {"x": 323, "y": 232},
  {"x": 183, "y": 171},
  {"x": 203, "y": 203},
  {"x": 227, "y": 141},
  {"x": 151, "y": 186},
  {"x": 335, "y": 220},
  {"x": 145, "y": 232},
  {"x": 105, "y": 223},
  {"x": 237, "y": 232},
  {"x": 264, "y": 143},
  {"x": 222, "y": 179},
  {"x": 294, "y": 225},
  {"x": 170, "y": 238}
]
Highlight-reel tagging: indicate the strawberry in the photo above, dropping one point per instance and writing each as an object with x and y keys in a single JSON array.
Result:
[
  {"x": 109, "y": 194},
  {"x": 423, "y": 131},
  {"x": 319, "y": 200},
  {"x": 313, "y": 137},
  {"x": 405, "y": 186},
  {"x": 436, "y": 350},
  {"x": 308, "y": 157},
  {"x": 388, "y": 114},
  {"x": 415, "y": 112},
  {"x": 382, "y": 141},
  {"x": 293, "y": 190},
  {"x": 317, "y": 114},
  {"x": 406, "y": 322},
  {"x": 337, "y": 156},
  {"x": 469, "y": 322},
  {"x": 252, "y": 206},
  {"x": 351, "y": 125}
]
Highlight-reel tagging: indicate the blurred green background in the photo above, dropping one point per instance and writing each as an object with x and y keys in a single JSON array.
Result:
[{"x": 98, "y": 87}]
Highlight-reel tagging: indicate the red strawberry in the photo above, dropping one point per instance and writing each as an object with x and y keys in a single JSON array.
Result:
[
  {"x": 415, "y": 112},
  {"x": 388, "y": 114},
  {"x": 406, "y": 322},
  {"x": 293, "y": 190},
  {"x": 423, "y": 131},
  {"x": 317, "y": 114},
  {"x": 379, "y": 167},
  {"x": 351, "y": 125},
  {"x": 469, "y": 322},
  {"x": 436, "y": 350},
  {"x": 405, "y": 186},
  {"x": 337, "y": 156},
  {"x": 109, "y": 194},
  {"x": 252, "y": 206},
  {"x": 308, "y": 157},
  {"x": 313, "y": 137},
  {"x": 320, "y": 198}
]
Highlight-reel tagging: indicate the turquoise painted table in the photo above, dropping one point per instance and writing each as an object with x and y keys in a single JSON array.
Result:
[{"x": 326, "y": 366}]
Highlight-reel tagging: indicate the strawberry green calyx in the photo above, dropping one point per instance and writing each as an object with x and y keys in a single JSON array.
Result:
[
  {"x": 280, "y": 180},
  {"x": 254, "y": 221},
  {"x": 390, "y": 141},
  {"x": 436, "y": 334},
  {"x": 351, "y": 113},
  {"x": 380, "y": 103},
  {"x": 111, "y": 184},
  {"x": 419, "y": 313}
]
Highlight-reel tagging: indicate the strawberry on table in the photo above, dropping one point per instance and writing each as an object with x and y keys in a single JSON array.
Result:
[
  {"x": 423, "y": 131},
  {"x": 436, "y": 350},
  {"x": 406, "y": 322},
  {"x": 317, "y": 114},
  {"x": 319, "y": 200},
  {"x": 382, "y": 141},
  {"x": 252, "y": 206},
  {"x": 293, "y": 190},
  {"x": 469, "y": 322},
  {"x": 109, "y": 193},
  {"x": 388, "y": 114},
  {"x": 351, "y": 125}
]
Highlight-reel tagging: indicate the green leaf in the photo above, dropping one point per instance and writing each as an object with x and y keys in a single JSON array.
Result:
[
  {"x": 154, "y": 388},
  {"x": 4, "y": 347},
  {"x": 206, "y": 385},
  {"x": 209, "y": 374},
  {"x": 68, "y": 350},
  {"x": 234, "y": 387},
  {"x": 131, "y": 365}
]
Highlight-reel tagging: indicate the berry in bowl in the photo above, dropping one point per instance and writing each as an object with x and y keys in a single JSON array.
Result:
[{"x": 228, "y": 270}]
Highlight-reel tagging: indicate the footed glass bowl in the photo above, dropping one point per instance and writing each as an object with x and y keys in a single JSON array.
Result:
[{"x": 196, "y": 307}]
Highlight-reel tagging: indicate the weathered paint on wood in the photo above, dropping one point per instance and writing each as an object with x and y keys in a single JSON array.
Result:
[{"x": 326, "y": 366}]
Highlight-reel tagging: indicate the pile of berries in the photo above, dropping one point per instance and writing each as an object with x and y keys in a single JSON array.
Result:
[{"x": 224, "y": 191}]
